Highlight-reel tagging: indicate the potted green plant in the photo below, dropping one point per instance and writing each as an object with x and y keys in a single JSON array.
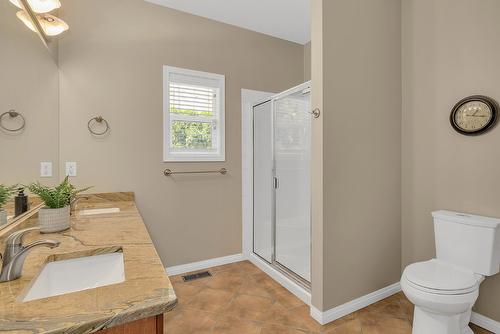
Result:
[
  {"x": 5, "y": 194},
  {"x": 55, "y": 215}
]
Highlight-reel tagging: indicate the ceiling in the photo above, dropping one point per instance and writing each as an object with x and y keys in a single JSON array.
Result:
[{"x": 285, "y": 19}]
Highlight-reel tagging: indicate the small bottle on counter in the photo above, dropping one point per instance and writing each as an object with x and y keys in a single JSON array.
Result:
[{"x": 20, "y": 203}]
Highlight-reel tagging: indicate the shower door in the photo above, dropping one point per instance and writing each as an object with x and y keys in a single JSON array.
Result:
[
  {"x": 292, "y": 149},
  {"x": 281, "y": 182}
]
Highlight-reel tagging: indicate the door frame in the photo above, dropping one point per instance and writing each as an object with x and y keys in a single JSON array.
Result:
[{"x": 249, "y": 98}]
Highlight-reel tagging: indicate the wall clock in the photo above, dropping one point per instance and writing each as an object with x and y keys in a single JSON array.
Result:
[{"x": 474, "y": 115}]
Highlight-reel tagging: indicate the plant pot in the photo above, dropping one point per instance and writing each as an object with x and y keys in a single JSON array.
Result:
[
  {"x": 53, "y": 220},
  {"x": 3, "y": 217}
]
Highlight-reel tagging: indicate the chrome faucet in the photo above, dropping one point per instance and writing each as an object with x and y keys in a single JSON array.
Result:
[
  {"x": 15, "y": 253},
  {"x": 74, "y": 201}
]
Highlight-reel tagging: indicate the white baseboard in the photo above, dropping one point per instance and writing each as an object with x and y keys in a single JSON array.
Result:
[
  {"x": 287, "y": 283},
  {"x": 189, "y": 267},
  {"x": 485, "y": 322},
  {"x": 357, "y": 304}
]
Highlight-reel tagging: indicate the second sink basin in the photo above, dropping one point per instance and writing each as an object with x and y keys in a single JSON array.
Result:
[{"x": 66, "y": 276}]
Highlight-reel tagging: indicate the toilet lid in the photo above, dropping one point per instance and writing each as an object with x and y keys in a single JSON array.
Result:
[{"x": 445, "y": 278}]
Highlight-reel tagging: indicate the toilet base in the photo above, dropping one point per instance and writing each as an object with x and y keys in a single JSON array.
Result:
[
  {"x": 426, "y": 322},
  {"x": 468, "y": 330}
]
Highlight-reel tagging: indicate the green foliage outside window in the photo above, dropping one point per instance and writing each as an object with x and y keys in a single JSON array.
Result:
[{"x": 191, "y": 135}]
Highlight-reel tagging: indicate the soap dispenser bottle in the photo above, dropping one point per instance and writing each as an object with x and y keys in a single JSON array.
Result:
[{"x": 20, "y": 203}]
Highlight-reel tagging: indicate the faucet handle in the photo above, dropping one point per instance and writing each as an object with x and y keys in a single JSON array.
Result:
[{"x": 16, "y": 238}]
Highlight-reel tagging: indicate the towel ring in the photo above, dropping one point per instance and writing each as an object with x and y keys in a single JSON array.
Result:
[
  {"x": 12, "y": 114},
  {"x": 99, "y": 120}
]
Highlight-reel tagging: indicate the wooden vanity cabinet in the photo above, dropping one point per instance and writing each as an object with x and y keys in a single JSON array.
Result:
[{"x": 151, "y": 325}]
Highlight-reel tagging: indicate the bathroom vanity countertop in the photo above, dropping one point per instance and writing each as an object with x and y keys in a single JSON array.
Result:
[{"x": 146, "y": 291}]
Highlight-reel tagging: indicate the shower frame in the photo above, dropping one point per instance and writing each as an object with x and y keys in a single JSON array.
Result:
[{"x": 276, "y": 265}]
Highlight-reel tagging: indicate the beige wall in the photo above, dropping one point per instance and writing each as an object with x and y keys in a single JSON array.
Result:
[
  {"x": 111, "y": 65},
  {"x": 361, "y": 87},
  {"x": 450, "y": 51},
  {"x": 28, "y": 84},
  {"x": 317, "y": 250},
  {"x": 307, "y": 62}
]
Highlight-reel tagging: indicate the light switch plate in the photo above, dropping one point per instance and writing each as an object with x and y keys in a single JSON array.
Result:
[
  {"x": 70, "y": 168},
  {"x": 45, "y": 169}
]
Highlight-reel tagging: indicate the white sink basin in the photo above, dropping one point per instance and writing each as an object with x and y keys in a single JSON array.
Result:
[
  {"x": 98, "y": 211},
  {"x": 66, "y": 276}
]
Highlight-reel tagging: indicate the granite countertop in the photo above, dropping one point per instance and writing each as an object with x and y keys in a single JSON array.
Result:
[{"x": 146, "y": 291}]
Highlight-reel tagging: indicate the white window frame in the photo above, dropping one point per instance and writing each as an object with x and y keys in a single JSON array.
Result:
[{"x": 193, "y": 156}]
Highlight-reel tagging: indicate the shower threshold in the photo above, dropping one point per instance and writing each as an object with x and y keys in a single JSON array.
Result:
[{"x": 306, "y": 285}]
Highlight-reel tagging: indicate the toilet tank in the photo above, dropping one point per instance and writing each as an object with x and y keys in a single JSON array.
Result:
[{"x": 468, "y": 241}]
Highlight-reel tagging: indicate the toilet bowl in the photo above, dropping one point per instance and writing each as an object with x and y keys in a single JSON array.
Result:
[
  {"x": 445, "y": 289},
  {"x": 443, "y": 296}
]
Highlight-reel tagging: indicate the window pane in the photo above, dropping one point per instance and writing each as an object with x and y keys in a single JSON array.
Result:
[
  {"x": 193, "y": 115},
  {"x": 191, "y": 135},
  {"x": 192, "y": 100}
]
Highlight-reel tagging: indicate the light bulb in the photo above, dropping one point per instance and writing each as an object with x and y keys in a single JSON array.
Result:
[
  {"x": 51, "y": 25},
  {"x": 39, "y": 6}
]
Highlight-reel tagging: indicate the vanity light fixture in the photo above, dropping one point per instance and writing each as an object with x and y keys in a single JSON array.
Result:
[
  {"x": 35, "y": 15},
  {"x": 51, "y": 25},
  {"x": 39, "y": 6}
]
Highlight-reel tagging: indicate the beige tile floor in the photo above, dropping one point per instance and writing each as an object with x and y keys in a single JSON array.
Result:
[{"x": 241, "y": 299}]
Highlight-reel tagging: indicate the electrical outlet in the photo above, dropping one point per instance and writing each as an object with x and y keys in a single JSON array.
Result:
[
  {"x": 70, "y": 168},
  {"x": 45, "y": 169}
]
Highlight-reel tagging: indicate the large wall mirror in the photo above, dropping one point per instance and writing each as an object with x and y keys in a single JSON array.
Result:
[{"x": 29, "y": 88}]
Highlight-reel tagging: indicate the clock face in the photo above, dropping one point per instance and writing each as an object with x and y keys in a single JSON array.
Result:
[{"x": 473, "y": 115}]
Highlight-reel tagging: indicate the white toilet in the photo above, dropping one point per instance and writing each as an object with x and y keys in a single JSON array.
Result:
[{"x": 444, "y": 289}]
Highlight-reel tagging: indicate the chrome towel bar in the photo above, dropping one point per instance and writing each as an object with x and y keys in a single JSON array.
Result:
[{"x": 223, "y": 171}]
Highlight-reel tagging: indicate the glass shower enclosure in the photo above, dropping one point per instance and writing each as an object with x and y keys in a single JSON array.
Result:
[{"x": 282, "y": 187}]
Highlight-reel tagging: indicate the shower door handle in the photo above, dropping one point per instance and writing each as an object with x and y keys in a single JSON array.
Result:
[{"x": 276, "y": 183}]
